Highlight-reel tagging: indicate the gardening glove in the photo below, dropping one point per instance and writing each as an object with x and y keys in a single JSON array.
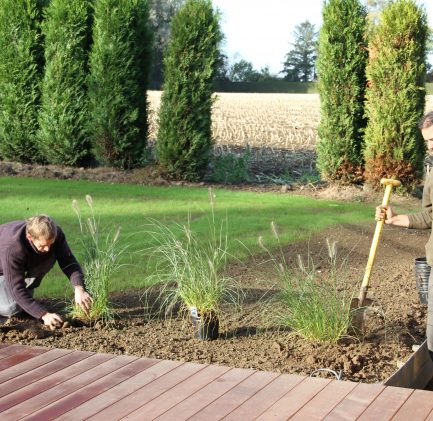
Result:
[
  {"x": 83, "y": 299},
  {"x": 52, "y": 320}
]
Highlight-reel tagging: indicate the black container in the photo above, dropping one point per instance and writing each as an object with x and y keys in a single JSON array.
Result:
[
  {"x": 205, "y": 327},
  {"x": 422, "y": 273}
]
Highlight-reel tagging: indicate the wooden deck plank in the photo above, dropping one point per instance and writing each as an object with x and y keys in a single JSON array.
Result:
[
  {"x": 417, "y": 407},
  {"x": 355, "y": 403},
  {"x": 20, "y": 356},
  {"x": 181, "y": 391},
  {"x": 42, "y": 384},
  {"x": 119, "y": 392},
  {"x": 235, "y": 396},
  {"x": 386, "y": 404},
  {"x": 10, "y": 349},
  {"x": 3, "y": 351},
  {"x": 26, "y": 366},
  {"x": 265, "y": 398},
  {"x": 38, "y": 394},
  {"x": 14, "y": 349},
  {"x": 429, "y": 417},
  {"x": 84, "y": 393},
  {"x": 165, "y": 382},
  {"x": 295, "y": 399},
  {"x": 3, "y": 356},
  {"x": 325, "y": 401},
  {"x": 32, "y": 376},
  {"x": 206, "y": 395}
]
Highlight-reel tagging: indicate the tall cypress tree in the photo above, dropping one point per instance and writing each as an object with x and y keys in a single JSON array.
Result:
[
  {"x": 21, "y": 63},
  {"x": 396, "y": 94},
  {"x": 120, "y": 63},
  {"x": 184, "y": 136},
  {"x": 62, "y": 137},
  {"x": 341, "y": 67}
]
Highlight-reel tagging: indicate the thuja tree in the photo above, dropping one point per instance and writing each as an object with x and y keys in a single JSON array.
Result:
[
  {"x": 184, "y": 137},
  {"x": 120, "y": 62},
  {"x": 21, "y": 62},
  {"x": 62, "y": 137},
  {"x": 396, "y": 94},
  {"x": 341, "y": 67}
]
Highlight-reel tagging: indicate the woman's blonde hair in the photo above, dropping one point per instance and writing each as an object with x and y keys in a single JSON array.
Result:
[{"x": 41, "y": 226}]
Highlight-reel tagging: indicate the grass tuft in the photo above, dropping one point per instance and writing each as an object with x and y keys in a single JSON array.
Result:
[
  {"x": 189, "y": 269},
  {"x": 101, "y": 261},
  {"x": 314, "y": 304}
]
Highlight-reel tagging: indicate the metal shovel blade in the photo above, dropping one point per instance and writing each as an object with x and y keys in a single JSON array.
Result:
[{"x": 358, "y": 316}]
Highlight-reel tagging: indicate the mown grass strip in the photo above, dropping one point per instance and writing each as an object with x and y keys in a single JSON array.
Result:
[{"x": 130, "y": 207}]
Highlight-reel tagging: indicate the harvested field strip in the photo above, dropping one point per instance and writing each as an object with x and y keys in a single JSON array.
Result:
[{"x": 281, "y": 121}]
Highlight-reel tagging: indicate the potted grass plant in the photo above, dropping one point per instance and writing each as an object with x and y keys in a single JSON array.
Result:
[{"x": 190, "y": 271}]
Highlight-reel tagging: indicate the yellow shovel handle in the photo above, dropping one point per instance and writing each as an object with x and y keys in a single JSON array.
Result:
[{"x": 389, "y": 184}]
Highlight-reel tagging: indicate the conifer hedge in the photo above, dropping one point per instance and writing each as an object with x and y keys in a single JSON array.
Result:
[
  {"x": 341, "y": 68},
  {"x": 62, "y": 138},
  {"x": 184, "y": 139},
  {"x": 120, "y": 62},
  {"x": 21, "y": 62},
  {"x": 396, "y": 94}
]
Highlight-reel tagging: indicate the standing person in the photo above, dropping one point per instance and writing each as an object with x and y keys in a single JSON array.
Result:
[
  {"x": 28, "y": 250},
  {"x": 420, "y": 220}
]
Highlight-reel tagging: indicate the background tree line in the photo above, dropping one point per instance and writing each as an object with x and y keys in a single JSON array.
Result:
[
  {"x": 74, "y": 76},
  {"x": 372, "y": 75},
  {"x": 357, "y": 59}
]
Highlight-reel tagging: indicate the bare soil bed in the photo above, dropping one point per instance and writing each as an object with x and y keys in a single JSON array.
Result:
[{"x": 395, "y": 322}]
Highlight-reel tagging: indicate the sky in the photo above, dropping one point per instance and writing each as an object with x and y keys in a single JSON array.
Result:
[{"x": 260, "y": 31}]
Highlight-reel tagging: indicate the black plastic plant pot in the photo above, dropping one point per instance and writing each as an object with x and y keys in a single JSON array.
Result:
[
  {"x": 206, "y": 327},
  {"x": 422, "y": 273}
]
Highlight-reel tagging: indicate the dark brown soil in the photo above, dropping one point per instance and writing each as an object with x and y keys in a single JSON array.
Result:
[{"x": 394, "y": 323}]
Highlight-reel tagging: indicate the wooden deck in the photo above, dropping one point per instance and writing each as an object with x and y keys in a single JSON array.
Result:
[{"x": 39, "y": 383}]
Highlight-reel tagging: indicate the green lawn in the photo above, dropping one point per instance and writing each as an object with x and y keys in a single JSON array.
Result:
[{"x": 129, "y": 206}]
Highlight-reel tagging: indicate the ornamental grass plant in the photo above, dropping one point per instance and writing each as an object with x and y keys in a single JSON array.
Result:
[
  {"x": 189, "y": 271},
  {"x": 313, "y": 304},
  {"x": 102, "y": 252}
]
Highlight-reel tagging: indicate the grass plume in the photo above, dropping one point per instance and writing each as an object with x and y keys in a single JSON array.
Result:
[
  {"x": 190, "y": 271},
  {"x": 315, "y": 305}
]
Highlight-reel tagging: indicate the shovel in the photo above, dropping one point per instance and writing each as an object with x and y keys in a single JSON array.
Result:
[{"x": 358, "y": 303}]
